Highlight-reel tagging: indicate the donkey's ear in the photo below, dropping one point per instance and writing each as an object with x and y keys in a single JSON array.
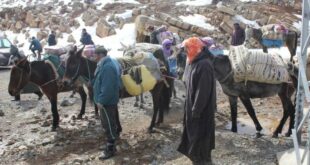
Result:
[
  {"x": 79, "y": 52},
  {"x": 22, "y": 62}
]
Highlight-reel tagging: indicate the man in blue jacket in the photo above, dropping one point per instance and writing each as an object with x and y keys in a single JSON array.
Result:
[
  {"x": 106, "y": 87},
  {"x": 35, "y": 45},
  {"x": 86, "y": 38}
]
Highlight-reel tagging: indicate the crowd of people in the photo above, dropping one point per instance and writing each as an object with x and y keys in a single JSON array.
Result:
[{"x": 198, "y": 137}]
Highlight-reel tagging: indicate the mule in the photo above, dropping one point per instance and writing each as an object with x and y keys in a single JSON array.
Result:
[
  {"x": 79, "y": 66},
  {"x": 290, "y": 39},
  {"x": 245, "y": 91},
  {"x": 43, "y": 75}
]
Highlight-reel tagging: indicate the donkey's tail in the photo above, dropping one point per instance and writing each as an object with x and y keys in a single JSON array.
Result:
[{"x": 295, "y": 46}]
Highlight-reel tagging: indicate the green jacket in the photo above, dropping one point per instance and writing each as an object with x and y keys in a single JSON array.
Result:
[{"x": 107, "y": 82}]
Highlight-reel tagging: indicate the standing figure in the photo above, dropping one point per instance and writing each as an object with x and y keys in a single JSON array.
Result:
[
  {"x": 198, "y": 139},
  {"x": 86, "y": 38},
  {"x": 35, "y": 45},
  {"x": 238, "y": 35},
  {"x": 52, "y": 39},
  {"x": 107, "y": 84}
]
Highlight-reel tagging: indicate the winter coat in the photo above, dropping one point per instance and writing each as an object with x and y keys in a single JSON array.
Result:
[
  {"x": 86, "y": 39},
  {"x": 51, "y": 40},
  {"x": 238, "y": 36},
  {"x": 107, "y": 82},
  {"x": 35, "y": 45},
  {"x": 198, "y": 137}
]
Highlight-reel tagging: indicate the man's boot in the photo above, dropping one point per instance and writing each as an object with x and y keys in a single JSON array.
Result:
[{"x": 108, "y": 152}]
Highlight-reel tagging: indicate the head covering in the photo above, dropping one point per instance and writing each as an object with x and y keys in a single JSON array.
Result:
[
  {"x": 101, "y": 50},
  {"x": 193, "y": 47},
  {"x": 208, "y": 41},
  {"x": 167, "y": 47}
]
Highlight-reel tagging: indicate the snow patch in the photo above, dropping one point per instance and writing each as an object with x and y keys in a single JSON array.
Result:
[
  {"x": 195, "y": 2},
  {"x": 240, "y": 18},
  {"x": 198, "y": 20}
]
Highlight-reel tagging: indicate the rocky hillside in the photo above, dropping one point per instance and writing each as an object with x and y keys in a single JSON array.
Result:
[{"x": 63, "y": 17}]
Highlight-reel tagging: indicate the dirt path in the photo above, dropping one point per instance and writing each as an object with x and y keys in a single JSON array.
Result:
[{"x": 25, "y": 136}]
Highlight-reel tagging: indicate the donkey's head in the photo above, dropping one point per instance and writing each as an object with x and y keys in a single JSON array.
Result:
[
  {"x": 73, "y": 63},
  {"x": 20, "y": 75}
]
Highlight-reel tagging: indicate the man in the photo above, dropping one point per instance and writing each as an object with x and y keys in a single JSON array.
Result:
[
  {"x": 106, "y": 95},
  {"x": 198, "y": 137},
  {"x": 238, "y": 35},
  {"x": 35, "y": 45},
  {"x": 86, "y": 38},
  {"x": 52, "y": 39}
]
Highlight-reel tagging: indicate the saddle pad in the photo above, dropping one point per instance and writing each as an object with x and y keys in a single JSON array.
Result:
[
  {"x": 250, "y": 65},
  {"x": 56, "y": 64}
]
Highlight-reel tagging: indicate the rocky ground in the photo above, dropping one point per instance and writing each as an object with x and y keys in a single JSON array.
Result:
[{"x": 25, "y": 136}]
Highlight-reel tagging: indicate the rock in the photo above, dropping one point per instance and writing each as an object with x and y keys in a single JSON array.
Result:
[
  {"x": 1, "y": 113},
  {"x": 46, "y": 124},
  {"x": 71, "y": 39},
  {"x": 126, "y": 159},
  {"x": 11, "y": 142},
  {"x": 226, "y": 10},
  {"x": 22, "y": 147},
  {"x": 41, "y": 35},
  {"x": 65, "y": 103},
  {"x": 78, "y": 160},
  {"x": 104, "y": 29},
  {"x": 224, "y": 26},
  {"x": 46, "y": 141}
]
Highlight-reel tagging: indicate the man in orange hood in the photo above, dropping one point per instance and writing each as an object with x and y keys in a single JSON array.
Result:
[{"x": 200, "y": 104}]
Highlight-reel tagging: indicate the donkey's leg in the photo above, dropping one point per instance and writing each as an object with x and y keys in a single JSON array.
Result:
[
  {"x": 233, "y": 111},
  {"x": 287, "y": 105},
  {"x": 265, "y": 49},
  {"x": 118, "y": 123},
  {"x": 142, "y": 101},
  {"x": 174, "y": 90},
  {"x": 83, "y": 98},
  {"x": 156, "y": 102},
  {"x": 249, "y": 107},
  {"x": 53, "y": 101},
  {"x": 137, "y": 101}
]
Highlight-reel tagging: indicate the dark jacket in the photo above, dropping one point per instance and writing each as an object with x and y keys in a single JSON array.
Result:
[
  {"x": 198, "y": 137},
  {"x": 86, "y": 39},
  {"x": 14, "y": 51},
  {"x": 51, "y": 40},
  {"x": 107, "y": 82},
  {"x": 35, "y": 45},
  {"x": 238, "y": 36}
]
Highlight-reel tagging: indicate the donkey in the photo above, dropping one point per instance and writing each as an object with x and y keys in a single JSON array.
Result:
[
  {"x": 290, "y": 39},
  {"x": 78, "y": 66},
  {"x": 224, "y": 74},
  {"x": 43, "y": 75}
]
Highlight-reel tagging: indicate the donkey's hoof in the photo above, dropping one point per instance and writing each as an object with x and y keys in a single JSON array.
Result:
[
  {"x": 150, "y": 130},
  {"x": 79, "y": 117},
  {"x": 275, "y": 135},
  {"x": 136, "y": 104},
  {"x": 258, "y": 135},
  {"x": 288, "y": 134},
  {"x": 54, "y": 129},
  {"x": 141, "y": 106},
  {"x": 234, "y": 130}
]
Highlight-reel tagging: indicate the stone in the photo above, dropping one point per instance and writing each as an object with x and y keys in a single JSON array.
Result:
[
  {"x": 1, "y": 113},
  {"x": 65, "y": 103},
  {"x": 46, "y": 124},
  {"x": 71, "y": 39},
  {"x": 272, "y": 20},
  {"x": 41, "y": 35},
  {"x": 224, "y": 26},
  {"x": 226, "y": 10},
  {"x": 104, "y": 29}
]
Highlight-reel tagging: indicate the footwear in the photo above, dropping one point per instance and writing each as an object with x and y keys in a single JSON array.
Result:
[
  {"x": 106, "y": 155},
  {"x": 108, "y": 152}
]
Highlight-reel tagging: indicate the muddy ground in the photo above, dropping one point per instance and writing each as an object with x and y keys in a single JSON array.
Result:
[{"x": 26, "y": 137}]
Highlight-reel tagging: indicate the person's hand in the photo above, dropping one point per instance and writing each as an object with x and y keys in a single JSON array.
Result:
[{"x": 100, "y": 106}]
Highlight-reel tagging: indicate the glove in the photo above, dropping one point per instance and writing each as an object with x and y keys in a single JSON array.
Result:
[{"x": 100, "y": 106}]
